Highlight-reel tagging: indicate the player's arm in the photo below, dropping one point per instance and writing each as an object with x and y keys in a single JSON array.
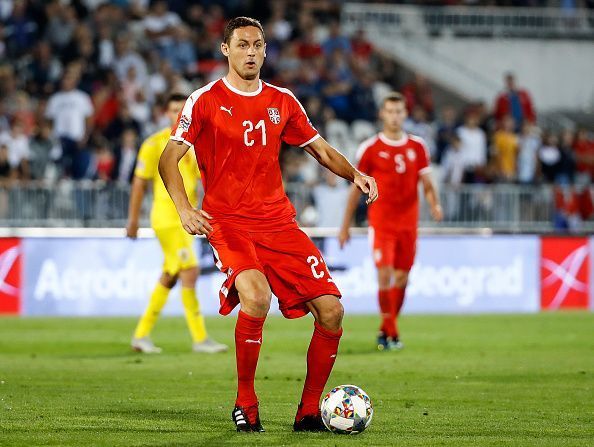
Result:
[
  {"x": 137, "y": 192},
  {"x": 194, "y": 221},
  {"x": 352, "y": 201},
  {"x": 431, "y": 196},
  {"x": 330, "y": 158}
]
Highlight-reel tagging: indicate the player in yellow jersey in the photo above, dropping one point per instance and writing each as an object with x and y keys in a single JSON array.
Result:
[{"x": 177, "y": 245}]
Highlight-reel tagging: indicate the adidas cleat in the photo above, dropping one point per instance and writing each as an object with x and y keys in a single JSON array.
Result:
[{"x": 243, "y": 421}]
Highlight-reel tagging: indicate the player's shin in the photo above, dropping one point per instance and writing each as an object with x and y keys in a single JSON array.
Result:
[
  {"x": 194, "y": 318},
  {"x": 387, "y": 313},
  {"x": 321, "y": 356},
  {"x": 396, "y": 302},
  {"x": 248, "y": 341},
  {"x": 152, "y": 312}
]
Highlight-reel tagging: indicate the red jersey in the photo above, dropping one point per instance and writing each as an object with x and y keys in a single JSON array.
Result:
[
  {"x": 396, "y": 166},
  {"x": 237, "y": 138}
]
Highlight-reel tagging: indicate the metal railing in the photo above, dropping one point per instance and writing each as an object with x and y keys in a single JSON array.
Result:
[
  {"x": 504, "y": 207},
  {"x": 471, "y": 21}
]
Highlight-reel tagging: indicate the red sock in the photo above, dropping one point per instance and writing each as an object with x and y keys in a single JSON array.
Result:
[
  {"x": 397, "y": 300},
  {"x": 321, "y": 356},
  {"x": 248, "y": 341},
  {"x": 385, "y": 304}
]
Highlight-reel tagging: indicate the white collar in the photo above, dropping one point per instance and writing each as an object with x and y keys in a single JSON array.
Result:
[
  {"x": 391, "y": 142},
  {"x": 242, "y": 93}
]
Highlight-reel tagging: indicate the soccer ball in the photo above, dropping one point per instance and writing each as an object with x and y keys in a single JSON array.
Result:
[{"x": 347, "y": 409}]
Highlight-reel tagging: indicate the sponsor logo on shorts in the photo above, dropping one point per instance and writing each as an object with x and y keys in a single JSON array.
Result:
[
  {"x": 256, "y": 342},
  {"x": 184, "y": 254}
]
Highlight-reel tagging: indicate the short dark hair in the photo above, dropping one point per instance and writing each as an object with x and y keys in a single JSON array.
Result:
[
  {"x": 240, "y": 22},
  {"x": 393, "y": 97},
  {"x": 175, "y": 97}
]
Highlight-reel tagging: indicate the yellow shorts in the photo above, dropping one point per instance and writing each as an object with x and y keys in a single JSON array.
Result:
[{"x": 178, "y": 249}]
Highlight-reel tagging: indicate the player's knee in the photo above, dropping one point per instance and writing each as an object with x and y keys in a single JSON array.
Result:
[
  {"x": 384, "y": 278},
  {"x": 256, "y": 296},
  {"x": 400, "y": 279},
  {"x": 168, "y": 280},
  {"x": 331, "y": 317}
]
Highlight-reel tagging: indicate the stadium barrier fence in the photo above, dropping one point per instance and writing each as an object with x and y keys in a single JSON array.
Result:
[{"x": 501, "y": 207}]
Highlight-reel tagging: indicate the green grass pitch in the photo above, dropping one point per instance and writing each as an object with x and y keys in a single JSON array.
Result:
[{"x": 461, "y": 381}]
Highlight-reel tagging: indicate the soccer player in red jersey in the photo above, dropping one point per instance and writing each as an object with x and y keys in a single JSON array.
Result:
[
  {"x": 398, "y": 162},
  {"x": 236, "y": 125}
]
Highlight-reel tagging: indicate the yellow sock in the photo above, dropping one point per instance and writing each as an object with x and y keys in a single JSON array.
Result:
[
  {"x": 152, "y": 312},
  {"x": 194, "y": 318}
]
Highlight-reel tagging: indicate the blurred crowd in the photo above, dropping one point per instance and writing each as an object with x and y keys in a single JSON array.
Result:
[{"x": 83, "y": 82}]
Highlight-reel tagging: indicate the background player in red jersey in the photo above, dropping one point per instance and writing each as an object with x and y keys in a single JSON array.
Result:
[
  {"x": 236, "y": 125},
  {"x": 397, "y": 161}
]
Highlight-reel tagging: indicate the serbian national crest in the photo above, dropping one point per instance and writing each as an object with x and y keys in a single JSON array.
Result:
[{"x": 274, "y": 115}]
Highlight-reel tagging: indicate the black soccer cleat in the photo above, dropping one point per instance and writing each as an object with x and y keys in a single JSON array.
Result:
[
  {"x": 382, "y": 342},
  {"x": 309, "y": 422},
  {"x": 242, "y": 421}
]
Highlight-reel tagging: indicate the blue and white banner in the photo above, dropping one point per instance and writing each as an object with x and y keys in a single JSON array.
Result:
[
  {"x": 100, "y": 277},
  {"x": 462, "y": 274},
  {"x": 452, "y": 274}
]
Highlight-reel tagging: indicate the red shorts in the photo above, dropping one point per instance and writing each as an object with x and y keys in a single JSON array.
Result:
[
  {"x": 292, "y": 264},
  {"x": 395, "y": 249}
]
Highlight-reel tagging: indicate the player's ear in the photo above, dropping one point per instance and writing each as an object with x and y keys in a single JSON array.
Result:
[
  {"x": 225, "y": 49},
  {"x": 264, "y": 49}
]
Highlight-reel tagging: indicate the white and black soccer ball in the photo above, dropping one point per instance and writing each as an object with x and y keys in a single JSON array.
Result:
[{"x": 347, "y": 409}]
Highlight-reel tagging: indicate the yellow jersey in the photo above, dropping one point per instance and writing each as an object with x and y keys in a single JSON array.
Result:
[
  {"x": 506, "y": 148},
  {"x": 163, "y": 212}
]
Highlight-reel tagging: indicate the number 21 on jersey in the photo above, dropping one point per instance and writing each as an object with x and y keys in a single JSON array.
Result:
[{"x": 249, "y": 127}]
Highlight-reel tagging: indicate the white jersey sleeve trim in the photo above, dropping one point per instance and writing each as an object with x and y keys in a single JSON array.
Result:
[
  {"x": 366, "y": 144},
  {"x": 189, "y": 106},
  {"x": 176, "y": 138},
  {"x": 425, "y": 170},
  {"x": 316, "y": 136}
]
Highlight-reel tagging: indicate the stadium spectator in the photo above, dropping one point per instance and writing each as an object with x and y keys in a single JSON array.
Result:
[
  {"x": 125, "y": 157},
  {"x": 549, "y": 156},
  {"x": 6, "y": 177},
  {"x": 330, "y": 198},
  {"x": 43, "y": 70},
  {"x": 418, "y": 93},
  {"x": 125, "y": 57},
  {"x": 568, "y": 162},
  {"x": 335, "y": 40},
  {"x": 584, "y": 153},
  {"x": 446, "y": 130},
  {"x": 71, "y": 112},
  {"x": 417, "y": 124},
  {"x": 41, "y": 148},
  {"x": 19, "y": 154},
  {"x": 514, "y": 101},
  {"x": 20, "y": 31},
  {"x": 473, "y": 147},
  {"x": 529, "y": 144},
  {"x": 505, "y": 149},
  {"x": 160, "y": 25},
  {"x": 453, "y": 162}
]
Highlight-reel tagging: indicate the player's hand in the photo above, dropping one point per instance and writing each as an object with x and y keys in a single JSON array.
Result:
[
  {"x": 132, "y": 230},
  {"x": 368, "y": 186},
  {"x": 343, "y": 237},
  {"x": 195, "y": 221},
  {"x": 437, "y": 213}
]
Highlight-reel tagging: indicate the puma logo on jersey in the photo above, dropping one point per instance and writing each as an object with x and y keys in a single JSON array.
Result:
[
  {"x": 228, "y": 110},
  {"x": 257, "y": 342},
  {"x": 384, "y": 155}
]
